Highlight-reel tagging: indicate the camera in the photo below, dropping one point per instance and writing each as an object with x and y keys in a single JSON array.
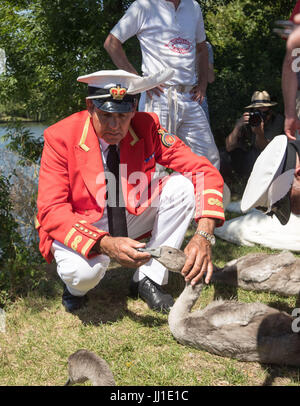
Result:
[{"x": 255, "y": 118}]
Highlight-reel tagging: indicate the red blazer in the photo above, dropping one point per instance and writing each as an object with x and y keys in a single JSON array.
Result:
[
  {"x": 295, "y": 11},
  {"x": 71, "y": 187}
]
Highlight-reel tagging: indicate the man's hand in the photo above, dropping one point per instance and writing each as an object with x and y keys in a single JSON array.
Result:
[
  {"x": 124, "y": 251},
  {"x": 198, "y": 253},
  {"x": 158, "y": 90},
  {"x": 259, "y": 129},
  {"x": 199, "y": 260},
  {"x": 244, "y": 120},
  {"x": 198, "y": 93},
  {"x": 291, "y": 125}
]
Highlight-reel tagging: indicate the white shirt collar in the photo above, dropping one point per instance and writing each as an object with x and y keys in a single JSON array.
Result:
[
  {"x": 104, "y": 148},
  {"x": 104, "y": 145},
  {"x": 172, "y": 5}
]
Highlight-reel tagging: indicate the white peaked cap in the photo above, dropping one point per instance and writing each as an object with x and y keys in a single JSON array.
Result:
[
  {"x": 270, "y": 180},
  {"x": 134, "y": 84}
]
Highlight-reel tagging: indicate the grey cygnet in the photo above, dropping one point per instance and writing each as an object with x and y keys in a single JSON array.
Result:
[
  {"x": 85, "y": 365},
  {"x": 245, "y": 331}
]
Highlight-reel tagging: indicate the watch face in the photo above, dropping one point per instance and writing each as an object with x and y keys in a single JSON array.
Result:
[{"x": 213, "y": 240}]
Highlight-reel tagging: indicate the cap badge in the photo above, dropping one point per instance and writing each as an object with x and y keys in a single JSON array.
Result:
[{"x": 118, "y": 92}]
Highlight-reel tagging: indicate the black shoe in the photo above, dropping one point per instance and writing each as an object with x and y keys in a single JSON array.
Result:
[
  {"x": 71, "y": 302},
  {"x": 152, "y": 294}
]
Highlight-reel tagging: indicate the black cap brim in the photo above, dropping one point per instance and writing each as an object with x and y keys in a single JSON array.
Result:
[
  {"x": 114, "y": 106},
  {"x": 282, "y": 209}
]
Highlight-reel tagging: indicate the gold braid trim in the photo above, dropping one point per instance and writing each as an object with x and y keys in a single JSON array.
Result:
[
  {"x": 84, "y": 135},
  {"x": 212, "y": 213},
  {"x": 69, "y": 235},
  {"x": 213, "y": 191},
  {"x": 87, "y": 246}
]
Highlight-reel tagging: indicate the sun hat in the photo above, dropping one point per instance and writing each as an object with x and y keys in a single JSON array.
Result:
[{"x": 260, "y": 99}]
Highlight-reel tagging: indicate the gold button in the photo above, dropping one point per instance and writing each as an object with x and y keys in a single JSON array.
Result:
[
  {"x": 81, "y": 228},
  {"x": 86, "y": 230},
  {"x": 94, "y": 235}
]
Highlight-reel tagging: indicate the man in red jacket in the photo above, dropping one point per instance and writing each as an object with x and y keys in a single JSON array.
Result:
[{"x": 97, "y": 193}]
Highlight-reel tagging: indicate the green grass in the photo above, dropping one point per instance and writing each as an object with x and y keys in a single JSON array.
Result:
[{"x": 135, "y": 341}]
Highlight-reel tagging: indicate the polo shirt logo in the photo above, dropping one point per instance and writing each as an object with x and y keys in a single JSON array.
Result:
[{"x": 180, "y": 45}]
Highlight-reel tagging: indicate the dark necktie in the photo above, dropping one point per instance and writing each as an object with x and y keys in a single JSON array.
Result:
[{"x": 115, "y": 206}]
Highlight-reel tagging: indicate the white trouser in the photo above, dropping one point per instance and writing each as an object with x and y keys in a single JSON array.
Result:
[
  {"x": 182, "y": 116},
  {"x": 168, "y": 218}
]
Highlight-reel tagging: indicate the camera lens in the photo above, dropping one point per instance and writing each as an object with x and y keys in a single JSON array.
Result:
[{"x": 255, "y": 118}]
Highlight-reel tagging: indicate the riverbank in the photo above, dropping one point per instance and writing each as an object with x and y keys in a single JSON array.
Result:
[{"x": 11, "y": 119}]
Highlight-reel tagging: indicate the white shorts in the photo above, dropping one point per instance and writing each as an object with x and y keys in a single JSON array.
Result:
[{"x": 168, "y": 219}]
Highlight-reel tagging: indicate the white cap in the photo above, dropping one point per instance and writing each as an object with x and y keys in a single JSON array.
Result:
[
  {"x": 113, "y": 90},
  {"x": 271, "y": 179},
  {"x": 134, "y": 84}
]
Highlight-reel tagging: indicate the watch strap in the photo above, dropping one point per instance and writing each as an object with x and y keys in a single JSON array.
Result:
[{"x": 209, "y": 237}]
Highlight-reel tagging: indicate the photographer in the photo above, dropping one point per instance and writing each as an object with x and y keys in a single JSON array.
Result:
[{"x": 251, "y": 134}]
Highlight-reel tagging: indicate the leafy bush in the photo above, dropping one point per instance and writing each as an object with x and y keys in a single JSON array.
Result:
[
  {"x": 9, "y": 235},
  {"x": 248, "y": 56},
  {"x": 20, "y": 260}
]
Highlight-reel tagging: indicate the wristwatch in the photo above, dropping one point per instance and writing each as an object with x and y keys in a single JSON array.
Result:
[{"x": 209, "y": 237}]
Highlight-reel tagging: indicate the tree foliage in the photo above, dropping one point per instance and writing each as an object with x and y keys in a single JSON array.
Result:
[
  {"x": 8, "y": 231},
  {"x": 248, "y": 56},
  {"x": 48, "y": 44}
]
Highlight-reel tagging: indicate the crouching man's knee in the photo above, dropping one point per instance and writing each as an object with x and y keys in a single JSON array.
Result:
[
  {"x": 78, "y": 273},
  {"x": 84, "y": 276}
]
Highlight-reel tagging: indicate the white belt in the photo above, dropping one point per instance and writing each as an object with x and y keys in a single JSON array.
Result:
[{"x": 172, "y": 91}]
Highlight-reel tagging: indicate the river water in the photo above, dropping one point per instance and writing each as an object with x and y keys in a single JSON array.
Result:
[
  {"x": 8, "y": 159},
  {"x": 23, "y": 182},
  {"x": 36, "y": 129}
]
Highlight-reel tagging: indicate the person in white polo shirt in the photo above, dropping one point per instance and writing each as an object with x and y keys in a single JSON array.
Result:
[{"x": 171, "y": 33}]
